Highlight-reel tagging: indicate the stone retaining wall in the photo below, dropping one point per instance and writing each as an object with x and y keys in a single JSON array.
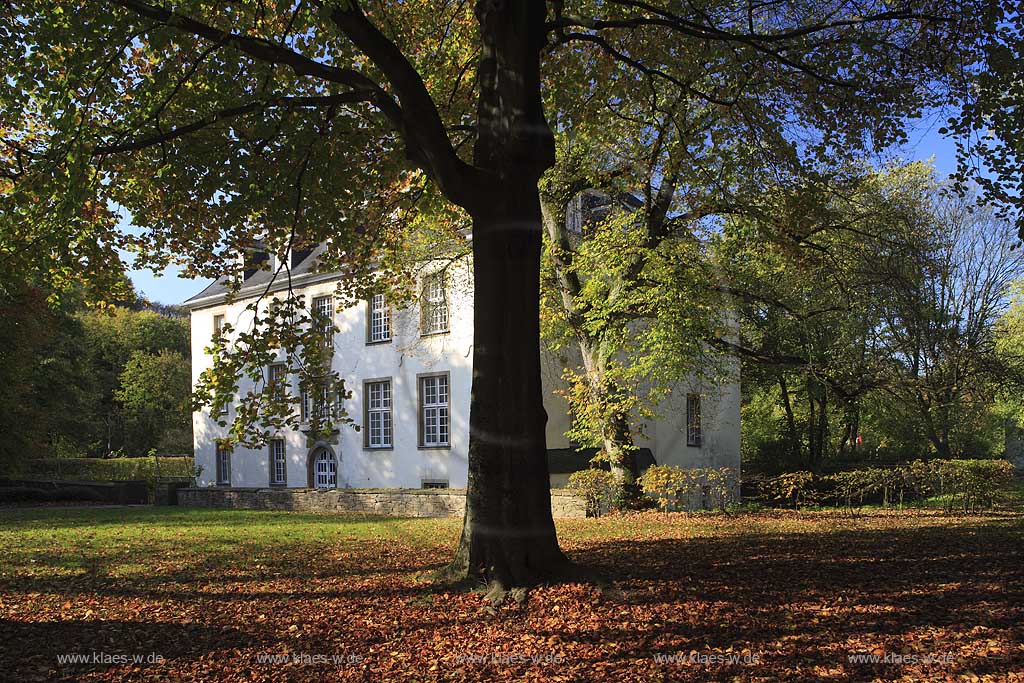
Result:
[{"x": 383, "y": 502}]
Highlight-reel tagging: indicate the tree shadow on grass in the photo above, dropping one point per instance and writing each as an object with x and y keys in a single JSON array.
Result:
[
  {"x": 806, "y": 601},
  {"x": 802, "y": 601},
  {"x": 47, "y": 650}
]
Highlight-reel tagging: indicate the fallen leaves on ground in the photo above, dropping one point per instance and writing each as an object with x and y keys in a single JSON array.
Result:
[{"x": 752, "y": 597}]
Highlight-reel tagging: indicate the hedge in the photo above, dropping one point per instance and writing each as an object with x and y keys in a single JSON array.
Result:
[
  {"x": 108, "y": 469},
  {"x": 965, "y": 485}
]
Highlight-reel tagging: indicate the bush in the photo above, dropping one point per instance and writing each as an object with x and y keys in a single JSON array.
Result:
[
  {"x": 969, "y": 485},
  {"x": 675, "y": 488},
  {"x": 596, "y": 487},
  {"x": 109, "y": 469},
  {"x": 794, "y": 489},
  {"x": 856, "y": 485},
  {"x": 914, "y": 480},
  {"x": 719, "y": 487}
]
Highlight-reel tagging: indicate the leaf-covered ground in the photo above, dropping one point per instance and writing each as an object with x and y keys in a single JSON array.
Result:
[{"x": 220, "y": 595}]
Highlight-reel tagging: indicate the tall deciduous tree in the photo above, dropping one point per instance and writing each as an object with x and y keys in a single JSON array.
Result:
[
  {"x": 873, "y": 311},
  {"x": 940, "y": 327},
  {"x": 154, "y": 394},
  {"x": 215, "y": 122},
  {"x": 812, "y": 271}
]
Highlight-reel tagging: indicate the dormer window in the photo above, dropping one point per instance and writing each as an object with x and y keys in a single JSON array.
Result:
[
  {"x": 297, "y": 256},
  {"x": 253, "y": 259}
]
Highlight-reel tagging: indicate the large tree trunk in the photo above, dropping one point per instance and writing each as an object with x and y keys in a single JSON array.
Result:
[
  {"x": 616, "y": 436},
  {"x": 508, "y": 535},
  {"x": 812, "y": 431},
  {"x": 939, "y": 441},
  {"x": 616, "y": 440}
]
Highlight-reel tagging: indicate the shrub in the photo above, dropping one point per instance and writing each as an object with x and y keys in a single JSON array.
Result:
[
  {"x": 789, "y": 490},
  {"x": 671, "y": 487},
  {"x": 596, "y": 487},
  {"x": 720, "y": 486},
  {"x": 914, "y": 480},
  {"x": 109, "y": 469},
  {"x": 969, "y": 485},
  {"x": 856, "y": 485},
  {"x": 676, "y": 488}
]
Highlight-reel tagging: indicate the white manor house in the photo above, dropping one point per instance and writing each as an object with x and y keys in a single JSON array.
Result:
[{"x": 409, "y": 372}]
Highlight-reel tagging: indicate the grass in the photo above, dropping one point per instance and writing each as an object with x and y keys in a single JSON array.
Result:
[
  {"x": 125, "y": 541},
  {"x": 211, "y": 591}
]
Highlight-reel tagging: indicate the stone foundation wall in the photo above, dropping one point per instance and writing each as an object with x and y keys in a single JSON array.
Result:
[{"x": 382, "y": 502}]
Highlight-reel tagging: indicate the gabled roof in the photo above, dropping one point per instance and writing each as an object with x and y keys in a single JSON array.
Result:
[{"x": 260, "y": 280}]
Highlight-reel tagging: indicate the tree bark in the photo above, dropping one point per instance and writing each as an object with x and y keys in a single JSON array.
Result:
[
  {"x": 812, "y": 429},
  {"x": 508, "y": 535},
  {"x": 791, "y": 429},
  {"x": 844, "y": 438},
  {"x": 616, "y": 440}
]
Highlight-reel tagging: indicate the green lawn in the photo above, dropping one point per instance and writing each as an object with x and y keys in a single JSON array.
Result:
[{"x": 214, "y": 593}]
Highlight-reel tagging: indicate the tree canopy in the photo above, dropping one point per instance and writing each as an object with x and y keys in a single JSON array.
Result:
[{"x": 871, "y": 319}]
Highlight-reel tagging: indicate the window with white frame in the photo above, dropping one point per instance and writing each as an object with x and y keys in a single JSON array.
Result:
[
  {"x": 319, "y": 404},
  {"x": 278, "y": 463},
  {"x": 218, "y": 325},
  {"x": 323, "y": 309},
  {"x": 693, "y": 434},
  {"x": 277, "y": 378},
  {"x": 435, "y": 423},
  {"x": 434, "y": 313},
  {"x": 379, "y": 329},
  {"x": 307, "y": 405},
  {"x": 378, "y": 419},
  {"x": 223, "y": 464}
]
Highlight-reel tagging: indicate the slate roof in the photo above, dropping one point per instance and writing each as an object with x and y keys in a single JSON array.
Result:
[{"x": 260, "y": 279}]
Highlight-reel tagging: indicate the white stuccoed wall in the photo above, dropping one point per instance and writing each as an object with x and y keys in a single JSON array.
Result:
[{"x": 407, "y": 465}]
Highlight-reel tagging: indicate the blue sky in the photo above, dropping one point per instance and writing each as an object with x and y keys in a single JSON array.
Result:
[{"x": 169, "y": 287}]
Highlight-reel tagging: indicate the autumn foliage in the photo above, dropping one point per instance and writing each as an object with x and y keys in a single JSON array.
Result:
[{"x": 790, "y": 596}]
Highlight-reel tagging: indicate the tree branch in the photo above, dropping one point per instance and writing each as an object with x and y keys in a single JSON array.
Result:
[
  {"x": 643, "y": 68},
  {"x": 423, "y": 128},
  {"x": 761, "y": 42},
  {"x": 272, "y": 53},
  {"x": 276, "y": 102}
]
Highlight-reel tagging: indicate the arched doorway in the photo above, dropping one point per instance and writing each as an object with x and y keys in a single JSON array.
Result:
[{"x": 323, "y": 468}]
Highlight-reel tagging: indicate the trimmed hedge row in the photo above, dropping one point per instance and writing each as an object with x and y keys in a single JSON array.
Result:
[
  {"x": 109, "y": 469},
  {"x": 965, "y": 485}
]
